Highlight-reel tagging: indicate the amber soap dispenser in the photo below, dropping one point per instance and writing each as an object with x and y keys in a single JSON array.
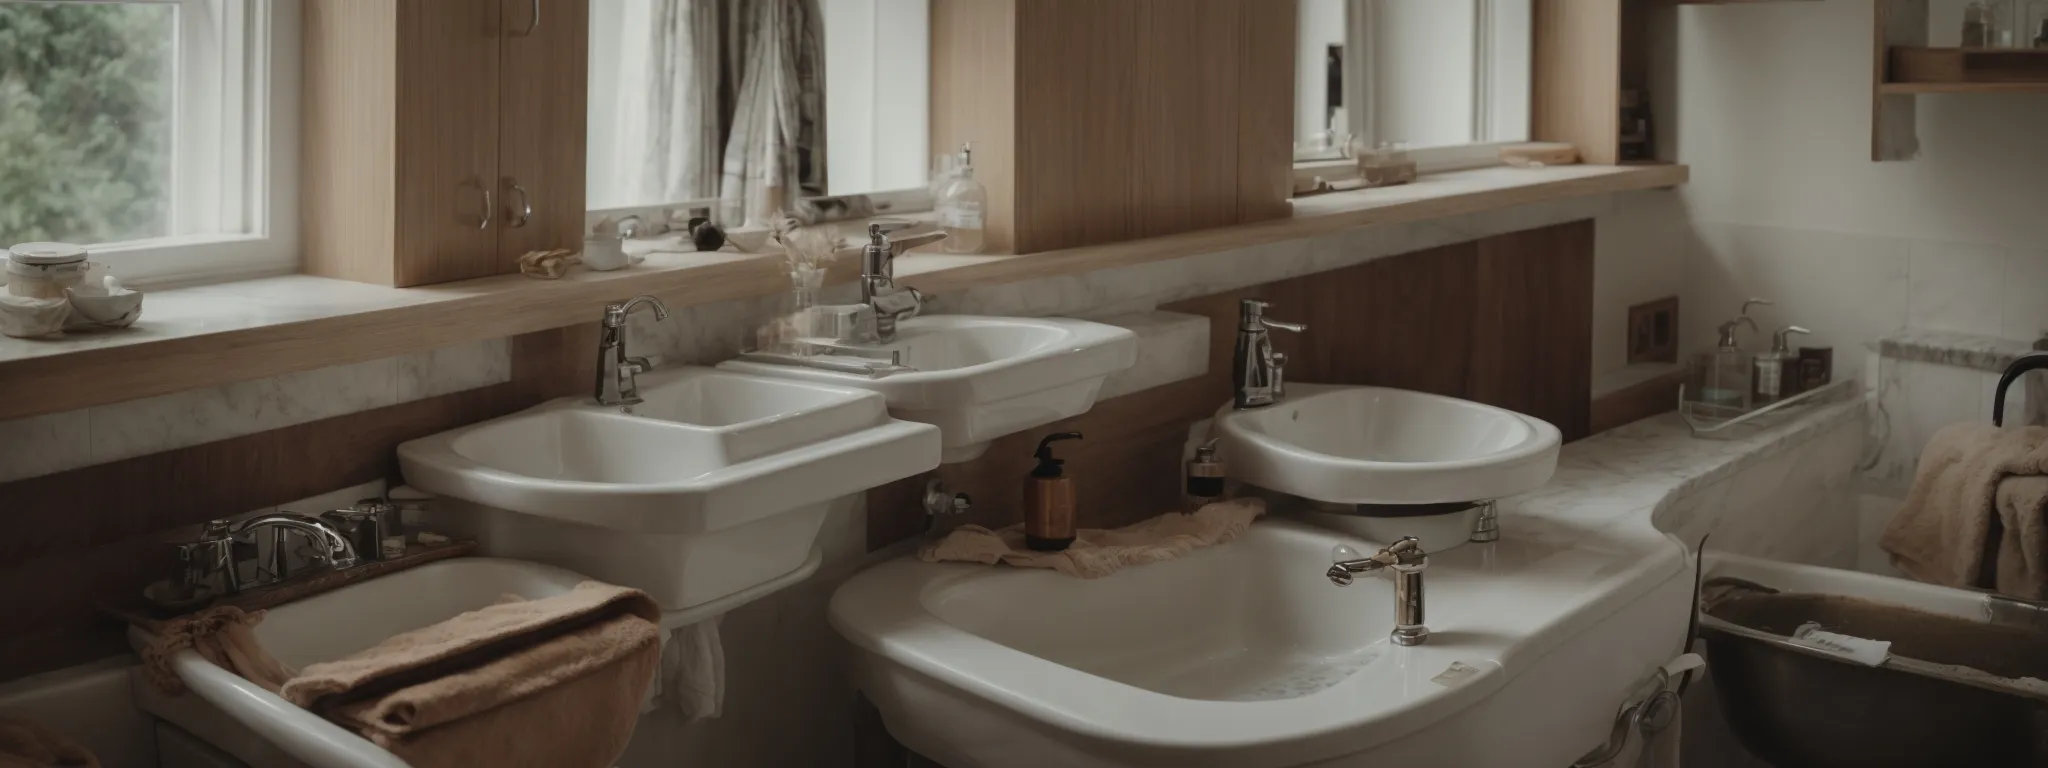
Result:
[{"x": 1049, "y": 499}]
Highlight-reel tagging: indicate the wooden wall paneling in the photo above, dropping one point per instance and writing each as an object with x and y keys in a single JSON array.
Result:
[
  {"x": 1532, "y": 347},
  {"x": 347, "y": 164},
  {"x": 542, "y": 135},
  {"x": 1576, "y": 86},
  {"x": 102, "y": 532},
  {"x": 973, "y": 76},
  {"x": 1183, "y": 174},
  {"x": 1078, "y": 119},
  {"x": 1635, "y": 403},
  {"x": 1402, "y": 321},
  {"x": 447, "y": 110},
  {"x": 1265, "y": 116}
]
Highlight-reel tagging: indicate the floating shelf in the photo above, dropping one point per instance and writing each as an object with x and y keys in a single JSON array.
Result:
[
  {"x": 2010, "y": 67},
  {"x": 1904, "y": 66}
]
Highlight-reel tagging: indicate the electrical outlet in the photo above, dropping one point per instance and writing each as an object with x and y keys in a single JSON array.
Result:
[{"x": 1653, "y": 331}]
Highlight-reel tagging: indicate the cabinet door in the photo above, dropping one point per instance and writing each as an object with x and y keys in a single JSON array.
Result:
[
  {"x": 447, "y": 126},
  {"x": 542, "y": 124}
]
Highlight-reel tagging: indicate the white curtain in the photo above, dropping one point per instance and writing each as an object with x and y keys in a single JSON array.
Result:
[{"x": 720, "y": 98}]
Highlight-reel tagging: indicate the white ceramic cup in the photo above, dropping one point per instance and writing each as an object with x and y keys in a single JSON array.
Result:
[{"x": 604, "y": 254}]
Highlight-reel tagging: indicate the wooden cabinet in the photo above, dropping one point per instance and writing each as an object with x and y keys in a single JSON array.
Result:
[{"x": 442, "y": 138}]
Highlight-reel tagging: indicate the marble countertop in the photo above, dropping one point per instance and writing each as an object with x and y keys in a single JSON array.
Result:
[{"x": 1621, "y": 482}]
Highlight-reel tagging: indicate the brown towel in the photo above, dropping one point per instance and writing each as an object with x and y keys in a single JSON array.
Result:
[
  {"x": 25, "y": 744},
  {"x": 1974, "y": 516},
  {"x": 1096, "y": 553},
  {"x": 555, "y": 682},
  {"x": 225, "y": 636}
]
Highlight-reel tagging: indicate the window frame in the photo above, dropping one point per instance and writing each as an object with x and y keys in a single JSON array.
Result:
[
  {"x": 1360, "y": 75},
  {"x": 242, "y": 219}
]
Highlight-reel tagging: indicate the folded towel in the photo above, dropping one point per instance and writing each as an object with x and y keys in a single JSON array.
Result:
[
  {"x": 25, "y": 744},
  {"x": 555, "y": 682},
  {"x": 225, "y": 636},
  {"x": 1096, "y": 553},
  {"x": 1974, "y": 516}
]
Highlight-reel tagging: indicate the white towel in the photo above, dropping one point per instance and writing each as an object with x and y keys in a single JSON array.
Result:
[{"x": 691, "y": 679}]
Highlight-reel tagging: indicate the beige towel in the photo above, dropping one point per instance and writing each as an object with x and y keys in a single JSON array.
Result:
[
  {"x": 25, "y": 744},
  {"x": 1974, "y": 516},
  {"x": 1096, "y": 553},
  {"x": 554, "y": 682},
  {"x": 224, "y": 636}
]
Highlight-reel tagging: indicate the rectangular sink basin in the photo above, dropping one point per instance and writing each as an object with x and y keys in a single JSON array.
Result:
[
  {"x": 980, "y": 378},
  {"x": 717, "y": 483}
]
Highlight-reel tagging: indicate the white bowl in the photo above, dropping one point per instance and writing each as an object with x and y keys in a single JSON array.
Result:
[{"x": 117, "y": 310}]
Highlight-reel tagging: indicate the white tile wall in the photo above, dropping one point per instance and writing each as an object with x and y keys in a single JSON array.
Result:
[{"x": 1955, "y": 287}]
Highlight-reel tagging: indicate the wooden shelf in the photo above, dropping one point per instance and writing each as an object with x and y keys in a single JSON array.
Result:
[
  {"x": 1913, "y": 89},
  {"x": 220, "y": 334}
]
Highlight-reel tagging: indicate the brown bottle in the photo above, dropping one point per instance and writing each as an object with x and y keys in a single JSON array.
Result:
[{"x": 1049, "y": 499}]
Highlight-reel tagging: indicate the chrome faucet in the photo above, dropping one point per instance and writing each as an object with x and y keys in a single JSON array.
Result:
[
  {"x": 1407, "y": 560},
  {"x": 617, "y": 382},
  {"x": 1257, "y": 373},
  {"x": 213, "y": 562},
  {"x": 879, "y": 293}
]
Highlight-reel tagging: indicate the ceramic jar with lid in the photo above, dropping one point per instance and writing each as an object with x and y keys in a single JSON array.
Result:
[{"x": 44, "y": 270}]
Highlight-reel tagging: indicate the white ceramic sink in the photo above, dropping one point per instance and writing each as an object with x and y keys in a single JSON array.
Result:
[
  {"x": 260, "y": 728},
  {"x": 717, "y": 483},
  {"x": 980, "y": 378},
  {"x": 1246, "y": 656},
  {"x": 1372, "y": 445}
]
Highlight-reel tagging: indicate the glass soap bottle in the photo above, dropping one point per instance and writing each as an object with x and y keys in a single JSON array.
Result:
[
  {"x": 961, "y": 205},
  {"x": 1722, "y": 378}
]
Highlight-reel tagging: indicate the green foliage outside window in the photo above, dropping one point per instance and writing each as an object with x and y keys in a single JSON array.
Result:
[{"x": 85, "y": 121}]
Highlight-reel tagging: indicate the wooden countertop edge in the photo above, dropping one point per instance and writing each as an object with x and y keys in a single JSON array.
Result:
[{"x": 505, "y": 306}]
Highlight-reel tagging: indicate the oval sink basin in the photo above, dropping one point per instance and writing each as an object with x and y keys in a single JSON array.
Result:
[
  {"x": 259, "y": 727},
  {"x": 1373, "y": 445},
  {"x": 1246, "y": 656},
  {"x": 980, "y": 378}
]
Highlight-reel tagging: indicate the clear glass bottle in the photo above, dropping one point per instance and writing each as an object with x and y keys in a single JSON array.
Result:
[
  {"x": 1722, "y": 379},
  {"x": 961, "y": 207}
]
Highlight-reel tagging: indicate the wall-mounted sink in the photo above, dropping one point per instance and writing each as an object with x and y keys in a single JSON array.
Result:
[
  {"x": 1246, "y": 656},
  {"x": 1373, "y": 445},
  {"x": 716, "y": 483},
  {"x": 261, "y": 728},
  {"x": 980, "y": 378}
]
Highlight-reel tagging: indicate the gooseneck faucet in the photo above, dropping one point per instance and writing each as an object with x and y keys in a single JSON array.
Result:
[
  {"x": 1407, "y": 560},
  {"x": 617, "y": 372},
  {"x": 1257, "y": 373},
  {"x": 879, "y": 293}
]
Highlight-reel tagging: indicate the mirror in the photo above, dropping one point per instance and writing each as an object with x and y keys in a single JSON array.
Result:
[
  {"x": 1425, "y": 73},
  {"x": 743, "y": 106}
]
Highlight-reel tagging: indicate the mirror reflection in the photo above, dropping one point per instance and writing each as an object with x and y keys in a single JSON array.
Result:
[
  {"x": 745, "y": 106},
  {"x": 1425, "y": 73}
]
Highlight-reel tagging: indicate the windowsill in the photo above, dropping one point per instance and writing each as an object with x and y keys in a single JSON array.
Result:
[{"x": 217, "y": 334}]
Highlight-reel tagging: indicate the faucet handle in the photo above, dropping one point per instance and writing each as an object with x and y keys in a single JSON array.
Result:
[{"x": 615, "y": 313}]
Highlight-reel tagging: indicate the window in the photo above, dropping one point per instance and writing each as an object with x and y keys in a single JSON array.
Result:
[
  {"x": 1448, "y": 78},
  {"x": 152, "y": 132},
  {"x": 671, "y": 84}
]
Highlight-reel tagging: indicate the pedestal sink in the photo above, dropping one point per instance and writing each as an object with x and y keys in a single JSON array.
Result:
[
  {"x": 980, "y": 378},
  {"x": 716, "y": 484},
  {"x": 1245, "y": 656}
]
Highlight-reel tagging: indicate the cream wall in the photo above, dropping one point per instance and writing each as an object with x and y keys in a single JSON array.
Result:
[{"x": 1773, "y": 115}]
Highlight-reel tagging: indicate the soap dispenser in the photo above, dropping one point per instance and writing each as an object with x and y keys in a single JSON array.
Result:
[
  {"x": 1775, "y": 375},
  {"x": 1049, "y": 499},
  {"x": 1721, "y": 378},
  {"x": 1205, "y": 481}
]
